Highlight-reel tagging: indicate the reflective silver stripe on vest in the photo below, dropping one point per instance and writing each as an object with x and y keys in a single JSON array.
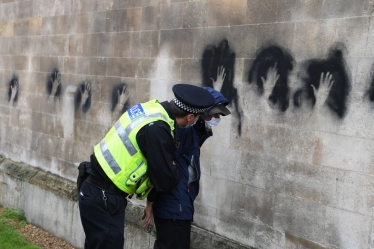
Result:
[
  {"x": 125, "y": 138},
  {"x": 109, "y": 158},
  {"x": 123, "y": 134}
]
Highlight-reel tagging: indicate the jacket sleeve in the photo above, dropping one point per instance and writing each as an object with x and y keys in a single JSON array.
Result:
[
  {"x": 202, "y": 132},
  {"x": 159, "y": 149}
]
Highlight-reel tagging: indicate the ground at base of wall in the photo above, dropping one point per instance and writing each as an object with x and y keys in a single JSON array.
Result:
[{"x": 38, "y": 236}]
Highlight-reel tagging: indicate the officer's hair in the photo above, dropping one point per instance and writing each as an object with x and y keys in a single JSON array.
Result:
[{"x": 179, "y": 113}]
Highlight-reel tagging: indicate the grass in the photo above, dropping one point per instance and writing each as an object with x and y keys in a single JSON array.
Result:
[{"x": 9, "y": 237}]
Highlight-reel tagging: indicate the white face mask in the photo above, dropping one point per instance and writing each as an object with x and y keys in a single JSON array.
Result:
[
  {"x": 189, "y": 125},
  {"x": 213, "y": 122}
]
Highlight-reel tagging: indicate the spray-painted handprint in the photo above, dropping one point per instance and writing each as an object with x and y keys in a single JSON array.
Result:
[
  {"x": 55, "y": 81},
  {"x": 217, "y": 85},
  {"x": 272, "y": 77},
  {"x": 83, "y": 96},
  {"x": 120, "y": 98},
  {"x": 123, "y": 95},
  {"x": 85, "y": 92},
  {"x": 13, "y": 91},
  {"x": 325, "y": 85}
]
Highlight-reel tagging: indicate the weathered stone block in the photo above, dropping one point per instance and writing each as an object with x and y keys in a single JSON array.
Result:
[
  {"x": 49, "y": 25},
  {"x": 112, "y": 67},
  {"x": 81, "y": 22},
  {"x": 90, "y": 44},
  {"x": 338, "y": 153},
  {"x": 281, "y": 34},
  {"x": 261, "y": 11},
  {"x": 96, "y": 22},
  {"x": 134, "y": 19},
  {"x": 343, "y": 8},
  {"x": 352, "y": 37},
  {"x": 69, "y": 65},
  {"x": 25, "y": 9},
  {"x": 98, "y": 66},
  {"x": 7, "y": 28},
  {"x": 177, "y": 43},
  {"x": 59, "y": 45},
  {"x": 314, "y": 39},
  {"x": 76, "y": 45},
  {"x": 310, "y": 182},
  {"x": 195, "y": 14},
  {"x": 10, "y": 11},
  {"x": 261, "y": 205},
  {"x": 171, "y": 16},
  {"x": 346, "y": 229},
  {"x": 208, "y": 37},
  {"x": 116, "y": 20},
  {"x": 145, "y": 68},
  {"x": 66, "y": 24},
  {"x": 21, "y": 118},
  {"x": 150, "y": 18},
  {"x": 223, "y": 13},
  {"x": 243, "y": 39},
  {"x": 127, "y": 67},
  {"x": 105, "y": 48},
  {"x": 35, "y": 26},
  {"x": 266, "y": 237},
  {"x": 143, "y": 43},
  {"x": 50, "y": 8},
  {"x": 127, "y": 4},
  {"x": 9, "y": 62},
  {"x": 294, "y": 10},
  {"x": 21, "y": 62},
  {"x": 48, "y": 64},
  {"x": 191, "y": 71},
  {"x": 83, "y": 65},
  {"x": 122, "y": 44},
  {"x": 142, "y": 91},
  {"x": 21, "y": 27},
  {"x": 302, "y": 218}
]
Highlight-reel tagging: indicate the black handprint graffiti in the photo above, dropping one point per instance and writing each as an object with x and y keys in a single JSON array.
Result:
[
  {"x": 218, "y": 71},
  {"x": 331, "y": 74},
  {"x": 272, "y": 66},
  {"x": 54, "y": 84},
  {"x": 83, "y": 96},
  {"x": 120, "y": 97},
  {"x": 13, "y": 91}
]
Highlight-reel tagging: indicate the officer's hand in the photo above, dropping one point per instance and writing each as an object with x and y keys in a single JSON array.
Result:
[{"x": 148, "y": 217}]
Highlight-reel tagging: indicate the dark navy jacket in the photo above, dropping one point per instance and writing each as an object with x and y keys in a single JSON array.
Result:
[{"x": 178, "y": 204}]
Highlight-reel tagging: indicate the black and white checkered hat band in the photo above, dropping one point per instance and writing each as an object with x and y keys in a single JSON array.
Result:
[{"x": 188, "y": 108}]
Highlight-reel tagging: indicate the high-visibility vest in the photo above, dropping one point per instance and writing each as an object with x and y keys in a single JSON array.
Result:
[{"x": 118, "y": 153}]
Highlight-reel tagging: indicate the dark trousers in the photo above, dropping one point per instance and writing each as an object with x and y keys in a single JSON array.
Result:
[
  {"x": 172, "y": 234},
  {"x": 103, "y": 220}
]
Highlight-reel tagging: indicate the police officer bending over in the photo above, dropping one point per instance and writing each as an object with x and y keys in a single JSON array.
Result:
[{"x": 136, "y": 156}]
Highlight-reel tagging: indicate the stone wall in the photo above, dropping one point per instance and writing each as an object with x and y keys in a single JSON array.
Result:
[
  {"x": 292, "y": 167},
  {"x": 50, "y": 202}
]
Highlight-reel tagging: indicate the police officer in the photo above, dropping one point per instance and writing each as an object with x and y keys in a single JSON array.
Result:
[
  {"x": 173, "y": 210},
  {"x": 136, "y": 156}
]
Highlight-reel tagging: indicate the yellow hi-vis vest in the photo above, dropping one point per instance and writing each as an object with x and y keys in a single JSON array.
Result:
[{"x": 118, "y": 153}]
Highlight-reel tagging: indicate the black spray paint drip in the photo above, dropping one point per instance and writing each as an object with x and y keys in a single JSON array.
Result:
[
  {"x": 119, "y": 91},
  {"x": 338, "y": 96},
  {"x": 268, "y": 57},
  {"x": 54, "y": 84},
  {"x": 13, "y": 89},
  {"x": 215, "y": 57},
  {"x": 370, "y": 92},
  {"x": 83, "y": 96}
]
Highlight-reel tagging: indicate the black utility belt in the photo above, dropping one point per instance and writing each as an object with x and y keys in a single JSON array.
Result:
[{"x": 105, "y": 185}]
